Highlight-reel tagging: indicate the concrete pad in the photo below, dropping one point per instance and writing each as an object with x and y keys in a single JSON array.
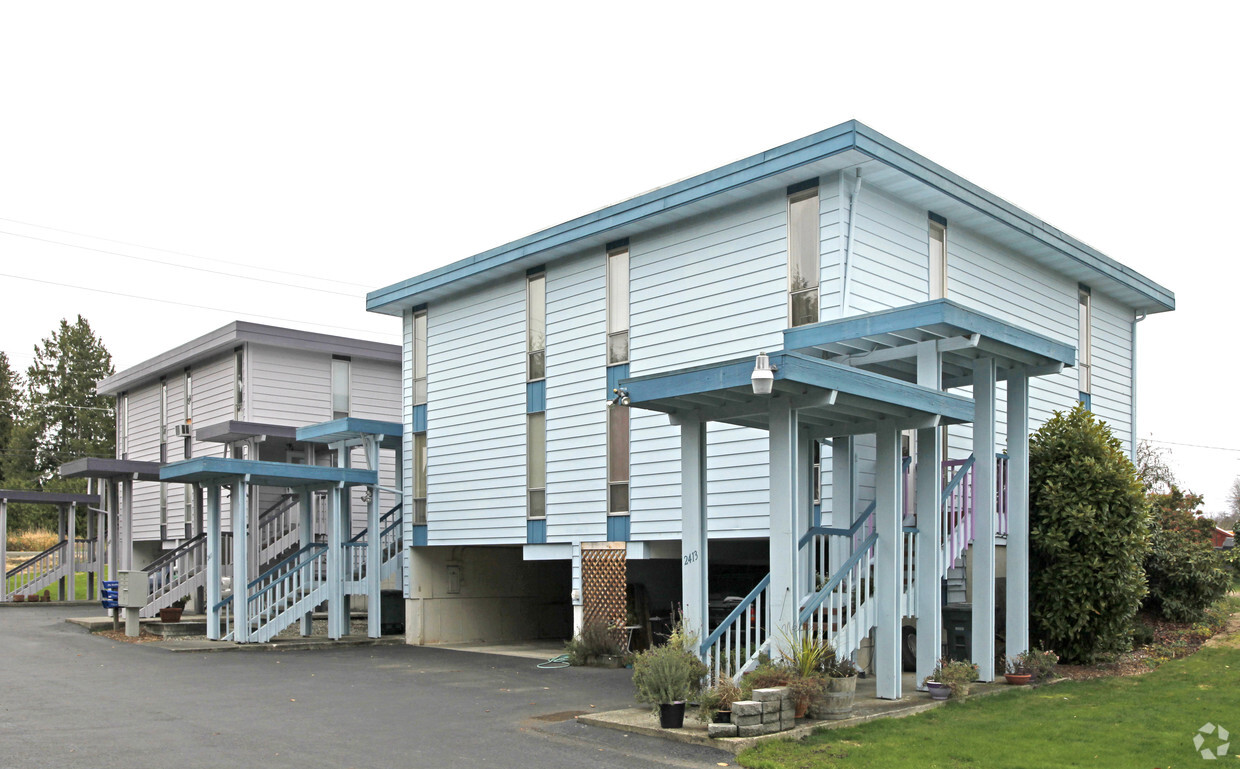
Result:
[{"x": 533, "y": 650}]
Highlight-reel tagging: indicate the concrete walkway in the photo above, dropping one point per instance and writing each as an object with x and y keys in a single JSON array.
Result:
[{"x": 76, "y": 700}]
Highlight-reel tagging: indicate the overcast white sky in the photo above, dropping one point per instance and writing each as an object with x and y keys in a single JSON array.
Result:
[{"x": 324, "y": 149}]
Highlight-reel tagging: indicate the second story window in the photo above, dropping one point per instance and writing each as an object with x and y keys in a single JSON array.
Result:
[
  {"x": 536, "y": 464},
  {"x": 1084, "y": 353},
  {"x": 122, "y": 426},
  {"x": 189, "y": 411},
  {"x": 803, "y": 253},
  {"x": 536, "y": 325},
  {"x": 340, "y": 387},
  {"x": 239, "y": 384},
  {"x": 938, "y": 257},
  {"x": 419, "y": 479},
  {"x": 618, "y": 303},
  {"x": 618, "y": 460},
  {"x": 419, "y": 357}
]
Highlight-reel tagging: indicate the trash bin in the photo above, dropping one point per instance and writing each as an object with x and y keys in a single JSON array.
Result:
[
  {"x": 958, "y": 626},
  {"x": 391, "y": 612}
]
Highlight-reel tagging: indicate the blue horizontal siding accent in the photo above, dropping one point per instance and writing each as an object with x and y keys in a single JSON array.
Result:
[
  {"x": 536, "y": 532},
  {"x": 614, "y": 375},
  {"x": 419, "y": 418},
  {"x": 617, "y": 528},
  {"x": 419, "y": 536},
  {"x": 536, "y": 396}
]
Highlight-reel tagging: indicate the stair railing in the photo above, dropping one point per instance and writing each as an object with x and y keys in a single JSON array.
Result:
[
  {"x": 733, "y": 648},
  {"x": 279, "y": 590},
  {"x": 36, "y": 573}
]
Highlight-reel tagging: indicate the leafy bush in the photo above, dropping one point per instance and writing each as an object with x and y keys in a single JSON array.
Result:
[
  {"x": 716, "y": 698},
  {"x": 595, "y": 640},
  {"x": 1038, "y": 663},
  {"x": 1184, "y": 572},
  {"x": 1089, "y": 535}
]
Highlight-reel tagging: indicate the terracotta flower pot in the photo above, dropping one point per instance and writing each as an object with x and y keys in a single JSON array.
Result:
[
  {"x": 1018, "y": 679},
  {"x": 171, "y": 614}
]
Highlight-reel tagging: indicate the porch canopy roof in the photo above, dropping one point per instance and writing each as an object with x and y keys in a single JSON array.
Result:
[
  {"x": 47, "y": 497},
  {"x": 218, "y": 470},
  {"x": 351, "y": 430},
  {"x": 889, "y": 341},
  {"x": 831, "y": 399},
  {"x": 110, "y": 469},
  {"x": 234, "y": 430}
]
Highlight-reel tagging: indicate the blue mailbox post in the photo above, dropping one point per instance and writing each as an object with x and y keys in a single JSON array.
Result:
[{"x": 107, "y": 596}]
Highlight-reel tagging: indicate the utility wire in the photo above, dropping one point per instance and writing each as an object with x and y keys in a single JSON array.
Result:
[
  {"x": 183, "y": 253},
  {"x": 184, "y": 304},
  {"x": 1192, "y": 445},
  {"x": 180, "y": 266},
  {"x": 64, "y": 405}
]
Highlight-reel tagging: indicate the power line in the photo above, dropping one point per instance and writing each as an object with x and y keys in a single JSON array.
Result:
[
  {"x": 1192, "y": 445},
  {"x": 64, "y": 406},
  {"x": 180, "y": 266},
  {"x": 183, "y": 253},
  {"x": 184, "y": 304}
]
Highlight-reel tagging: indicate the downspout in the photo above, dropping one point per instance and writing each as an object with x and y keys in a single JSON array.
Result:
[
  {"x": 848, "y": 249},
  {"x": 1132, "y": 425}
]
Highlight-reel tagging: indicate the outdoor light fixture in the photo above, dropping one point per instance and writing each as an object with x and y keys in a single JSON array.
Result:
[
  {"x": 621, "y": 399},
  {"x": 763, "y": 378}
]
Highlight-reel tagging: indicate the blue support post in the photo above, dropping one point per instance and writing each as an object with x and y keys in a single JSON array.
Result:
[
  {"x": 887, "y": 564},
  {"x": 335, "y": 566},
  {"x": 241, "y": 560},
  {"x": 693, "y": 550},
  {"x": 213, "y": 562},
  {"x": 982, "y": 571},
  {"x": 784, "y": 459},
  {"x": 374, "y": 614},
  {"x": 305, "y": 531}
]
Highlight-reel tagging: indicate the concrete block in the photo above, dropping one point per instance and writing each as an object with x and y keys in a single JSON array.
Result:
[
  {"x": 757, "y": 730},
  {"x": 787, "y": 722},
  {"x": 788, "y": 710},
  {"x": 770, "y": 727},
  {"x": 753, "y": 720},
  {"x": 721, "y": 730},
  {"x": 746, "y": 708},
  {"x": 773, "y": 694},
  {"x": 770, "y": 706}
]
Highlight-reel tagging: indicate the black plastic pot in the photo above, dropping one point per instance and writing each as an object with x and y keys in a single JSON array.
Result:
[
  {"x": 723, "y": 717},
  {"x": 672, "y": 715}
]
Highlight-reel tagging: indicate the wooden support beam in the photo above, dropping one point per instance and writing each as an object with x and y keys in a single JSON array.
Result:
[
  {"x": 1017, "y": 619},
  {"x": 305, "y": 537},
  {"x": 694, "y": 557},
  {"x": 888, "y": 549},
  {"x": 783, "y": 541},
  {"x": 374, "y": 614},
  {"x": 241, "y": 560},
  {"x": 214, "y": 554},
  {"x": 982, "y": 571}
]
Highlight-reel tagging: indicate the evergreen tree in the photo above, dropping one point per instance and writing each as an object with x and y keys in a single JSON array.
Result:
[{"x": 10, "y": 407}]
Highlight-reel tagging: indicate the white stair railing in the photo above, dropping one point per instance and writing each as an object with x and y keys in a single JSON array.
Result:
[
  {"x": 38, "y": 573},
  {"x": 744, "y": 635},
  {"x": 286, "y": 592},
  {"x": 278, "y": 528},
  {"x": 841, "y": 612}
]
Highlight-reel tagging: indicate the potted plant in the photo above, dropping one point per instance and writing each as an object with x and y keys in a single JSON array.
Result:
[
  {"x": 715, "y": 704},
  {"x": 950, "y": 678},
  {"x": 173, "y": 612},
  {"x": 806, "y": 658},
  {"x": 1015, "y": 672},
  {"x": 595, "y": 645},
  {"x": 669, "y": 675},
  {"x": 1039, "y": 663},
  {"x": 835, "y": 699}
]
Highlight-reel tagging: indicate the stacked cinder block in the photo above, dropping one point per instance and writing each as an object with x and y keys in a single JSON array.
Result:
[{"x": 770, "y": 711}]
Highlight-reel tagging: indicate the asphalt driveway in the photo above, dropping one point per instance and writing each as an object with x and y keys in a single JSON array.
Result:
[{"x": 68, "y": 699}]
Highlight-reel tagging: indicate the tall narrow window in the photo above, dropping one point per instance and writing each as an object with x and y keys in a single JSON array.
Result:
[
  {"x": 618, "y": 305},
  {"x": 163, "y": 456},
  {"x": 938, "y": 257},
  {"x": 618, "y": 460},
  {"x": 122, "y": 426},
  {"x": 803, "y": 253},
  {"x": 1084, "y": 353},
  {"x": 189, "y": 412},
  {"x": 239, "y": 383},
  {"x": 536, "y": 464},
  {"x": 815, "y": 477},
  {"x": 536, "y": 325},
  {"x": 340, "y": 387},
  {"x": 419, "y": 357},
  {"x": 419, "y": 479}
]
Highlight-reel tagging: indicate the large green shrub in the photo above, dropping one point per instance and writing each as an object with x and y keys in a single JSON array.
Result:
[
  {"x": 1089, "y": 534},
  {"x": 1184, "y": 572}
]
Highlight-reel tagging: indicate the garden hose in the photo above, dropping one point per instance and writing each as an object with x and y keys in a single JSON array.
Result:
[{"x": 555, "y": 663}]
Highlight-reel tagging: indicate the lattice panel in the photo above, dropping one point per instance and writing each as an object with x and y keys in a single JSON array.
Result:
[{"x": 604, "y": 576}]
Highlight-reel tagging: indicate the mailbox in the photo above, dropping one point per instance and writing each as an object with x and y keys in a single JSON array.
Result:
[
  {"x": 133, "y": 589},
  {"x": 107, "y": 594}
]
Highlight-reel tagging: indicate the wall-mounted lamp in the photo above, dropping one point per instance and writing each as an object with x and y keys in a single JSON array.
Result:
[
  {"x": 621, "y": 398},
  {"x": 763, "y": 378}
]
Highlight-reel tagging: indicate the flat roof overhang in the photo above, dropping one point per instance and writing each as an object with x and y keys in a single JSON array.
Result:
[
  {"x": 111, "y": 469},
  {"x": 888, "y": 166},
  {"x": 887, "y": 342},
  {"x": 351, "y": 430},
  {"x": 47, "y": 497},
  {"x": 218, "y": 470},
  {"x": 236, "y": 430},
  {"x": 831, "y": 399}
]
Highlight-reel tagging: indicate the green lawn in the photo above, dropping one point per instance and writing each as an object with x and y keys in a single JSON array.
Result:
[
  {"x": 79, "y": 588},
  {"x": 1138, "y": 721}
]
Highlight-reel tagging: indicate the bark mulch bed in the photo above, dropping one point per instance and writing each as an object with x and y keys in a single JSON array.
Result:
[{"x": 119, "y": 635}]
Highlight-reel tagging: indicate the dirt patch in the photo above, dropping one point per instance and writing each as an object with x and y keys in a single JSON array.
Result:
[
  {"x": 1172, "y": 640},
  {"x": 119, "y": 635}
]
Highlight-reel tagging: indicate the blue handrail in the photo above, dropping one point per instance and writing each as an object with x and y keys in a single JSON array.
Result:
[
  {"x": 736, "y": 613},
  {"x": 224, "y": 602},
  {"x": 382, "y": 518},
  {"x": 817, "y": 598},
  {"x": 315, "y": 546},
  {"x": 957, "y": 478}
]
